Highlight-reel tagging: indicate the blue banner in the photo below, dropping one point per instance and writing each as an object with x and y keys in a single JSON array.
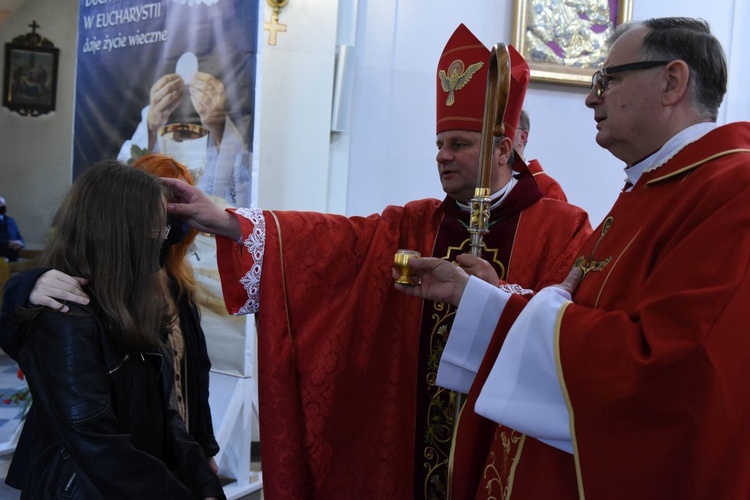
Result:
[{"x": 173, "y": 76}]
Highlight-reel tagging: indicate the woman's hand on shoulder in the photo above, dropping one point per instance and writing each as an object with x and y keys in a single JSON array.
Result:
[{"x": 54, "y": 288}]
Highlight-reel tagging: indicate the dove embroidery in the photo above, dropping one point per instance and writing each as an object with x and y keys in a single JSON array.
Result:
[{"x": 456, "y": 78}]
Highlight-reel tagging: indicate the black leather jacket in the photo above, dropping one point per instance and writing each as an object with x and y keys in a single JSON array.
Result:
[
  {"x": 197, "y": 368},
  {"x": 103, "y": 426}
]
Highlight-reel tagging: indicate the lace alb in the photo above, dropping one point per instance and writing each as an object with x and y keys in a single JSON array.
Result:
[{"x": 256, "y": 246}]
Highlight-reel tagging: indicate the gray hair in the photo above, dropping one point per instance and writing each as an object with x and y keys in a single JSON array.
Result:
[
  {"x": 689, "y": 40},
  {"x": 523, "y": 121}
]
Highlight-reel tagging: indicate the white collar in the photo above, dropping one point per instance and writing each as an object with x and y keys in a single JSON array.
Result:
[
  {"x": 673, "y": 146},
  {"x": 496, "y": 198}
]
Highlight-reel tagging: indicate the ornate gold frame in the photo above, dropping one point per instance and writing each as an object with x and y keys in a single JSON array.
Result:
[{"x": 534, "y": 16}]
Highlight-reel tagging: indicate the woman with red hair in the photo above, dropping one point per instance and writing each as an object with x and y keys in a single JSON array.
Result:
[{"x": 187, "y": 339}]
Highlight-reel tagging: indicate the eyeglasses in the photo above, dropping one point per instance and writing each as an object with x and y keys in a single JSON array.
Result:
[
  {"x": 163, "y": 234},
  {"x": 600, "y": 79}
]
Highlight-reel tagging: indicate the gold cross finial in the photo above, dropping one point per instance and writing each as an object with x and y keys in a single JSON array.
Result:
[
  {"x": 588, "y": 265},
  {"x": 274, "y": 26}
]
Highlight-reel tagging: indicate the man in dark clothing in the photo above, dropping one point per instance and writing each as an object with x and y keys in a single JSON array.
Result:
[{"x": 11, "y": 241}]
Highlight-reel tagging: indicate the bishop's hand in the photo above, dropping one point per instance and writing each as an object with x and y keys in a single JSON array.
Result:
[
  {"x": 571, "y": 282},
  {"x": 477, "y": 266},
  {"x": 194, "y": 207},
  {"x": 434, "y": 279}
]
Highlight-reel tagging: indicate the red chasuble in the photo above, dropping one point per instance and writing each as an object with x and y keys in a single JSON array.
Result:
[
  {"x": 340, "y": 379},
  {"x": 549, "y": 186},
  {"x": 654, "y": 351}
]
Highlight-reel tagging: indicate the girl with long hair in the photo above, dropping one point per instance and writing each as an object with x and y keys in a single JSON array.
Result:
[{"x": 99, "y": 375}]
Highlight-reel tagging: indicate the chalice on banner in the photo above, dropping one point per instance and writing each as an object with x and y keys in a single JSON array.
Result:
[
  {"x": 186, "y": 143},
  {"x": 401, "y": 263}
]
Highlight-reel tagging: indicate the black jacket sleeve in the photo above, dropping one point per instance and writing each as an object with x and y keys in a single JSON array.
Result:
[
  {"x": 204, "y": 428},
  {"x": 16, "y": 294}
]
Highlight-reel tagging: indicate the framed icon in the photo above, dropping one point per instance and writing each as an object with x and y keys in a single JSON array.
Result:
[
  {"x": 565, "y": 42},
  {"x": 30, "y": 79}
]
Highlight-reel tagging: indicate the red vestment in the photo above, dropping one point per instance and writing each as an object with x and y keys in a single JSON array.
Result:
[
  {"x": 338, "y": 346},
  {"x": 653, "y": 351},
  {"x": 549, "y": 186}
]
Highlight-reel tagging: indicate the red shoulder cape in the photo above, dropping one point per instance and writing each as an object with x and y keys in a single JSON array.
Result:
[{"x": 549, "y": 186}]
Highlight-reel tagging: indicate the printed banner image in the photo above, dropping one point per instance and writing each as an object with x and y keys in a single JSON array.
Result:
[
  {"x": 170, "y": 76},
  {"x": 175, "y": 77}
]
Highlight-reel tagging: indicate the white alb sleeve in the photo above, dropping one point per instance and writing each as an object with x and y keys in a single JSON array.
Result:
[
  {"x": 523, "y": 390},
  {"x": 477, "y": 315}
]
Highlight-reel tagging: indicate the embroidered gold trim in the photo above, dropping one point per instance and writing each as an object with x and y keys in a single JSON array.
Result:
[
  {"x": 451, "y": 457},
  {"x": 564, "y": 387},
  {"x": 501, "y": 465},
  {"x": 588, "y": 265},
  {"x": 449, "y": 312},
  {"x": 462, "y": 118},
  {"x": 485, "y": 251},
  {"x": 601, "y": 290},
  {"x": 516, "y": 460},
  {"x": 440, "y": 414},
  {"x": 696, "y": 164},
  {"x": 456, "y": 77}
]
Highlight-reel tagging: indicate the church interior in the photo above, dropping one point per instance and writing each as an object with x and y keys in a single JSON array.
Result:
[{"x": 337, "y": 116}]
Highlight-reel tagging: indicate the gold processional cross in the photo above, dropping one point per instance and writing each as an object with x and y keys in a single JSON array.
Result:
[
  {"x": 588, "y": 265},
  {"x": 274, "y": 26}
]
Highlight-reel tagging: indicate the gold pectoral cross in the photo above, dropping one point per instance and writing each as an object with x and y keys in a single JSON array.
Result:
[
  {"x": 589, "y": 264},
  {"x": 274, "y": 27}
]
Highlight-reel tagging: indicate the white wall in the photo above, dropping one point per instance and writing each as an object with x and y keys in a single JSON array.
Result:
[
  {"x": 35, "y": 153},
  {"x": 294, "y": 110}
]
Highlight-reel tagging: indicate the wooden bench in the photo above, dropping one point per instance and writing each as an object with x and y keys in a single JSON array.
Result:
[{"x": 27, "y": 260}]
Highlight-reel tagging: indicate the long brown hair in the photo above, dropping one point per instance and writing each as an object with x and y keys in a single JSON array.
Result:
[
  {"x": 176, "y": 264},
  {"x": 109, "y": 229}
]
